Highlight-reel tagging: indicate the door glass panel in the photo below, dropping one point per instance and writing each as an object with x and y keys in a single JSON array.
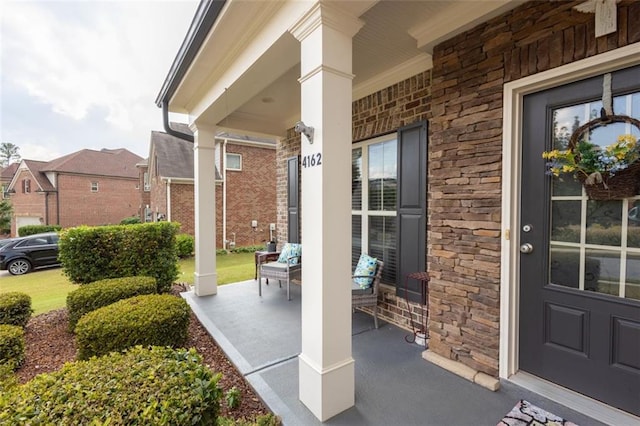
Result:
[
  {"x": 603, "y": 270},
  {"x": 565, "y": 225},
  {"x": 565, "y": 266},
  {"x": 604, "y": 222},
  {"x": 632, "y": 287},
  {"x": 594, "y": 245}
]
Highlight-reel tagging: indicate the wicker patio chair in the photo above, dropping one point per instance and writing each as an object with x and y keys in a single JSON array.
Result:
[
  {"x": 368, "y": 296},
  {"x": 279, "y": 271}
]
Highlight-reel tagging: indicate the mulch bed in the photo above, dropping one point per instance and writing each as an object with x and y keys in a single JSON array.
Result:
[{"x": 49, "y": 345}]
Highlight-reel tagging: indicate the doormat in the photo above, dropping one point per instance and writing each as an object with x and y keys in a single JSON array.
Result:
[{"x": 527, "y": 414}]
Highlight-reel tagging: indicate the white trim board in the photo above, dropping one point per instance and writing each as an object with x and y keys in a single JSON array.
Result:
[{"x": 513, "y": 94}]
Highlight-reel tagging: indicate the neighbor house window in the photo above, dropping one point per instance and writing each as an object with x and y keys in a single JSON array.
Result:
[
  {"x": 234, "y": 161},
  {"x": 147, "y": 185},
  {"x": 26, "y": 186},
  {"x": 373, "y": 202},
  {"x": 94, "y": 186}
]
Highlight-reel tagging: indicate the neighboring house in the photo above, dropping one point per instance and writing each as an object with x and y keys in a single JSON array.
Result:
[
  {"x": 245, "y": 189},
  {"x": 430, "y": 119},
  {"x": 86, "y": 187},
  {"x": 6, "y": 175}
]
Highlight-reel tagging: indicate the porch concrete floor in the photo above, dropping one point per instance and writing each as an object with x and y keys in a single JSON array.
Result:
[{"x": 394, "y": 384}]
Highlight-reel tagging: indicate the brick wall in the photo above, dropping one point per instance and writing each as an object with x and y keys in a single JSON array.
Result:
[
  {"x": 182, "y": 202},
  {"x": 465, "y": 159},
  {"x": 115, "y": 199},
  {"x": 31, "y": 204},
  {"x": 251, "y": 194},
  {"x": 157, "y": 197}
]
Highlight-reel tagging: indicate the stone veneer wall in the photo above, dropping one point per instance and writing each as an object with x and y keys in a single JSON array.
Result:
[{"x": 465, "y": 159}]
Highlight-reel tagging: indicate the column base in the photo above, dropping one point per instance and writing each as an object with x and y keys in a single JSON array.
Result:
[
  {"x": 205, "y": 284},
  {"x": 327, "y": 392}
]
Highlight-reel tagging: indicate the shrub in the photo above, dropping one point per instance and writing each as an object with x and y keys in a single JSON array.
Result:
[
  {"x": 130, "y": 220},
  {"x": 11, "y": 345},
  {"x": 15, "y": 308},
  {"x": 144, "y": 386},
  {"x": 184, "y": 245},
  {"x": 101, "y": 293},
  {"x": 157, "y": 319},
  {"x": 23, "y": 231},
  {"x": 233, "y": 398},
  {"x": 263, "y": 420},
  {"x": 95, "y": 253}
]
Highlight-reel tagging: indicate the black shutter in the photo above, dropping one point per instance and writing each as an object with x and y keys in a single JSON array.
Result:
[
  {"x": 293, "y": 200},
  {"x": 412, "y": 208}
]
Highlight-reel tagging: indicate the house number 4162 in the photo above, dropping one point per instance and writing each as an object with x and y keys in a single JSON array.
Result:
[{"x": 312, "y": 160}]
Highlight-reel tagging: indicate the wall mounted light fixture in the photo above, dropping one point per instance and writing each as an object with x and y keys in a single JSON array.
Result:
[{"x": 305, "y": 130}]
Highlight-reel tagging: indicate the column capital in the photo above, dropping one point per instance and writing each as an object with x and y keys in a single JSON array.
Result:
[
  {"x": 204, "y": 135},
  {"x": 324, "y": 13}
]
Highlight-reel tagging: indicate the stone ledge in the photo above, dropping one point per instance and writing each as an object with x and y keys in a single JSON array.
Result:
[{"x": 462, "y": 370}]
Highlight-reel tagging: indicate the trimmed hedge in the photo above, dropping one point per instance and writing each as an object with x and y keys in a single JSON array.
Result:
[
  {"x": 184, "y": 245},
  {"x": 101, "y": 293},
  {"x": 156, "y": 319},
  {"x": 11, "y": 345},
  {"x": 132, "y": 220},
  {"x": 15, "y": 308},
  {"x": 144, "y": 386},
  {"x": 26, "y": 230},
  {"x": 95, "y": 253}
]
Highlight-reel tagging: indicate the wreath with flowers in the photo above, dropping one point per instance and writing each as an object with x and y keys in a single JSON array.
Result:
[{"x": 609, "y": 172}]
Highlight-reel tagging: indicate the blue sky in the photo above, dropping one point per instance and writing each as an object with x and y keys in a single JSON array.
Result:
[{"x": 85, "y": 73}]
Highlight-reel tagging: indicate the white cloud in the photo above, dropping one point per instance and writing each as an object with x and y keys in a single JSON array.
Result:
[{"x": 83, "y": 56}]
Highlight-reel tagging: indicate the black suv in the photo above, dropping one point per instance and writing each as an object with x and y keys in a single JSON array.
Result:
[{"x": 21, "y": 255}]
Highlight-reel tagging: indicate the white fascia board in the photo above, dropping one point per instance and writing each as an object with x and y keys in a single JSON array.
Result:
[
  {"x": 237, "y": 59},
  {"x": 177, "y": 180}
]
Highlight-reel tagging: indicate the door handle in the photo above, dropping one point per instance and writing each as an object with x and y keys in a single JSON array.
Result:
[{"x": 526, "y": 248}]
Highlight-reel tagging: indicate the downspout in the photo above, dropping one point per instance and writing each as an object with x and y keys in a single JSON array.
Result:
[
  {"x": 167, "y": 125},
  {"x": 223, "y": 161},
  {"x": 169, "y": 200}
]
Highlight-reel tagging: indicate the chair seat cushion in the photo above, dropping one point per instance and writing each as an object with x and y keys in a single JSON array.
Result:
[
  {"x": 357, "y": 290},
  {"x": 278, "y": 267},
  {"x": 366, "y": 268}
]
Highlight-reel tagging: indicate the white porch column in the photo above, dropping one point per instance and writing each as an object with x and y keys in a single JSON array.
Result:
[
  {"x": 326, "y": 368},
  {"x": 205, "y": 277}
]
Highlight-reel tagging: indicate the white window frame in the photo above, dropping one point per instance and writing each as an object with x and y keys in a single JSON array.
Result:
[
  {"x": 94, "y": 187},
  {"x": 146, "y": 183},
  {"x": 226, "y": 160}
]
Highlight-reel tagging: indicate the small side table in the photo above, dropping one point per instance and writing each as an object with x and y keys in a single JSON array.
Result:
[
  {"x": 269, "y": 256},
  {"x": 423, "y": 278}
]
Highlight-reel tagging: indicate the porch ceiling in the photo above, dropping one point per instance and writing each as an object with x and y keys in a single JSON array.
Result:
[{"x": 395, "y": 43}]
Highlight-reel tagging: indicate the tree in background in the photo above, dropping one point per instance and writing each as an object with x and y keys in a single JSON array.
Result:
[
  {"x": 5, "y": 216},
  {"x": 8, "y": 153}
]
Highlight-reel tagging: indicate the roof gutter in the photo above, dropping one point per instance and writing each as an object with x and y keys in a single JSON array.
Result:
[{"x": 206, "y": 15}]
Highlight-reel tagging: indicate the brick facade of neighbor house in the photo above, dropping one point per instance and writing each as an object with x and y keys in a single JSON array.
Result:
[
  {"x": 27, "y": 204},
  {"x": 115, "y": 199},
  {"x": 61, "y": 193},
  {"x": 251, "y": 194},
  {"x": 465, "y": 160}
]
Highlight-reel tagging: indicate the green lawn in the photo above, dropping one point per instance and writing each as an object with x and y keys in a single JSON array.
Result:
[{"x": 48, "y": 288}]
